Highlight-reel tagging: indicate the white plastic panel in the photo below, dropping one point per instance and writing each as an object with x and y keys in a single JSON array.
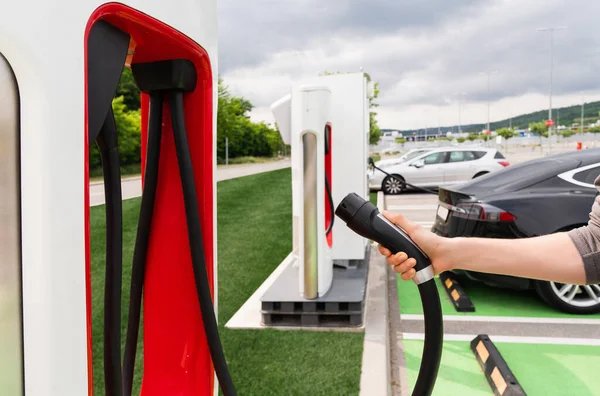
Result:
[
  {"x": 11, "y": 332},
  {"x": 350, "y": 130},
  {"x": 282, "y": 111},
  {"x": 44, "y": 41}
]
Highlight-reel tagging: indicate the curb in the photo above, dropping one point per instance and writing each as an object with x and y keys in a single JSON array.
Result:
[
  {"x": 496, "y": 371},
  {"x": 457, "y": 295},
  {"x": 375, "y": 368}
]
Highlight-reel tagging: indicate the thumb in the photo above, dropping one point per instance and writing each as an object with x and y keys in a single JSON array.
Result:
[{"x": 402, "y": 222}]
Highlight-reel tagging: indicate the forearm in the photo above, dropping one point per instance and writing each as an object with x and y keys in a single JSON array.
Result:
[{"x": 550, "y": 257}]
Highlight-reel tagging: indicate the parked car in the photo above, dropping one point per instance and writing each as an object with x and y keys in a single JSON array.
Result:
[
  {"x": 537, "y": 197},
  {"x": 438, "y": 167},
  {"x": 410, "y": 154}
]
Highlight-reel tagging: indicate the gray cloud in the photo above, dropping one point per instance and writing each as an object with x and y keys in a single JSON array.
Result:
[
  {"x": 251, "y": 30},
  {"x": 421, "y": 51}
]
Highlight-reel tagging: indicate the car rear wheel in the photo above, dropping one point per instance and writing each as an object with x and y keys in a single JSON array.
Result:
[
  {"x": 575, "y": 299},
  {"x": 393, "y": 184}
]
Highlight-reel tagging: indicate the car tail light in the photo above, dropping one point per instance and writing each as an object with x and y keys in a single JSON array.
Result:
[
  {"x": 482, "y": 212},
  {"x": 504, "y": 163}
]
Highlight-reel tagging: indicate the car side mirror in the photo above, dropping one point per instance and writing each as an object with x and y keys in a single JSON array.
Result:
[
  {"x": 418, "y": 164},
  {"x": 371, "y": 162}
]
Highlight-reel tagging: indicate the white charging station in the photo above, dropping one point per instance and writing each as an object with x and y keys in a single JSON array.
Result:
[
  {"x": 304, "y": 120},
  {"x": 45, "y": 301},
  {"x": 323, "y": 112}
]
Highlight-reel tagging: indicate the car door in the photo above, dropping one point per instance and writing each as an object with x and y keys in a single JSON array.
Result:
[
  {"x": 460, "y": 167},
  {"x": 431, "y": 173}
]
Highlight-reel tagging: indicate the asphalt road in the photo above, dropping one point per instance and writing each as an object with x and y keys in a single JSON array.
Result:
[{"x": 132, "y": 187}]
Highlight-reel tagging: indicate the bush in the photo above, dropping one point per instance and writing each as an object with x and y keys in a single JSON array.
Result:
[
  {"x": 400, "y": 140},
  {"x": 461, "y": 140},
  {"x": 595, "y": 129},
  {"x": 472, "y": 137},
  {"x": 129, "y": 136}
]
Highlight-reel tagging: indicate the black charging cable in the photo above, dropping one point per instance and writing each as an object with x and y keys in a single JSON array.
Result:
[
  {"x": 363, "y": 217},
  {"x": 171, "y": 78},
  {"x": 188, "y": 184},
  {"x": 140, "y": 252},
  {"x": 109, "y": 153},
  {"x": 402, "y": 181}
]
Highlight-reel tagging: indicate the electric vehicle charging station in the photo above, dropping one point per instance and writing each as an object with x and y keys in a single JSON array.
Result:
[
  {"x": 59, "y": 69},
  {"x": 333, "y": 165}
]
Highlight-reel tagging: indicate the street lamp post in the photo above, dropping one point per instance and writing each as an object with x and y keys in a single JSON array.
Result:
[
  {"x": 582, "y": 110},
  {"x": 459, "y": 94},
  {"x": 489, "y": 78},
  {"x": 551, "y": 31}
]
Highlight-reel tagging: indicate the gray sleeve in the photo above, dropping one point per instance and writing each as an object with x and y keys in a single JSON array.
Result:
[{"x": 587, "y": 241}]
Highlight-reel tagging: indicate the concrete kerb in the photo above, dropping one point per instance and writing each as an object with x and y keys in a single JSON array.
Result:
[{"x": 375, "y": 373}]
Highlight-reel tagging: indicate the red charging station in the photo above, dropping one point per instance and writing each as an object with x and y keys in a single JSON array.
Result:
[{"x": 176, "y": 357}]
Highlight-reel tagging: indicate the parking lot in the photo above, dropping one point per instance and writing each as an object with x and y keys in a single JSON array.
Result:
[{"x": 549, "y": 352}]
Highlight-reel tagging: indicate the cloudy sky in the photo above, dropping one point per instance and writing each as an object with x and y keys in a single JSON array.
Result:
[{"x": 422, "y": 52}]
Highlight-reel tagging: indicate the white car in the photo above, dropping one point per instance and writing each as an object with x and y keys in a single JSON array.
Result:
[
  {"x": 405, "y": 157},
  {"x": 438, "y": 167}
]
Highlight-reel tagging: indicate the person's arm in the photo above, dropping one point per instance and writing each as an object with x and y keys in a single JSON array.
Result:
[{"x": 552, "y": 257}]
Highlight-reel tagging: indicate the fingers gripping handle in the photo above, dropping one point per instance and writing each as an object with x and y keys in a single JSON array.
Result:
[{"x": 362, "y": 217}]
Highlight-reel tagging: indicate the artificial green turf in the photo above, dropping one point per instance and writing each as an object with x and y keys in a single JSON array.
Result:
[
  {"x": 488, "y": 301},
  {"x": 373, "y": 197},
  {"x": 254, "y": 236},
  {"x": 459, "y": 372}
]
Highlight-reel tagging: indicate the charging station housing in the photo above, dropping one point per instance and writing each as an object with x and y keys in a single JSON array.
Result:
[{"x": 43, "y": 75}]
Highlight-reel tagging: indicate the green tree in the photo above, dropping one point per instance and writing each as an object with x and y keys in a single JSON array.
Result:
[
  {"x": 485, "y": 137},
  {"x": 506, "y": 133},
  {"x": 566, "y": 134},
  {"x": 472, "y": 136},
  {"x": 128, "y": 89},
  {"x": 129, "y": 136},
  {"x": 460, "y": 140},
  {"x": 244, "y": 137},
  {"x": 374, "y": 131},
  {"x": 538, "y": 127}
]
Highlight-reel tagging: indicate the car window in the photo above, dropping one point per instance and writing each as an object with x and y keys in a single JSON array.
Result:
[
  {"x": 587, "y": 176},
  {"x": 435, "y": 158},
  {"x": 413, "y": 155},
  {"x": 460, "y": 156},
  {"x": 478, "y": 154},
  {"x": 498, "y": 155}
]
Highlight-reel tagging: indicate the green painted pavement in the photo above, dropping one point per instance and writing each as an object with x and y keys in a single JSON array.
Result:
[
  {"x": 547, "y": 370},
  {"x": 541, "y": 369},
  {"x": 488, "y": 301},
  {"x": 459, "y": 371}
]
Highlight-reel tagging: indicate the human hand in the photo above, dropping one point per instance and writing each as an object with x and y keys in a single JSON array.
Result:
[{"x": 433, "y": 245}]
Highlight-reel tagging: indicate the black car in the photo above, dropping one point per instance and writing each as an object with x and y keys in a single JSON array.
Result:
[{"x": 537, "y": 197}]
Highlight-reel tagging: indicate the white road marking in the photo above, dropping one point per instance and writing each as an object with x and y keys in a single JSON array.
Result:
[
  {"x": 512, "y": 339},
  {"x": 507, "y": 319}
]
